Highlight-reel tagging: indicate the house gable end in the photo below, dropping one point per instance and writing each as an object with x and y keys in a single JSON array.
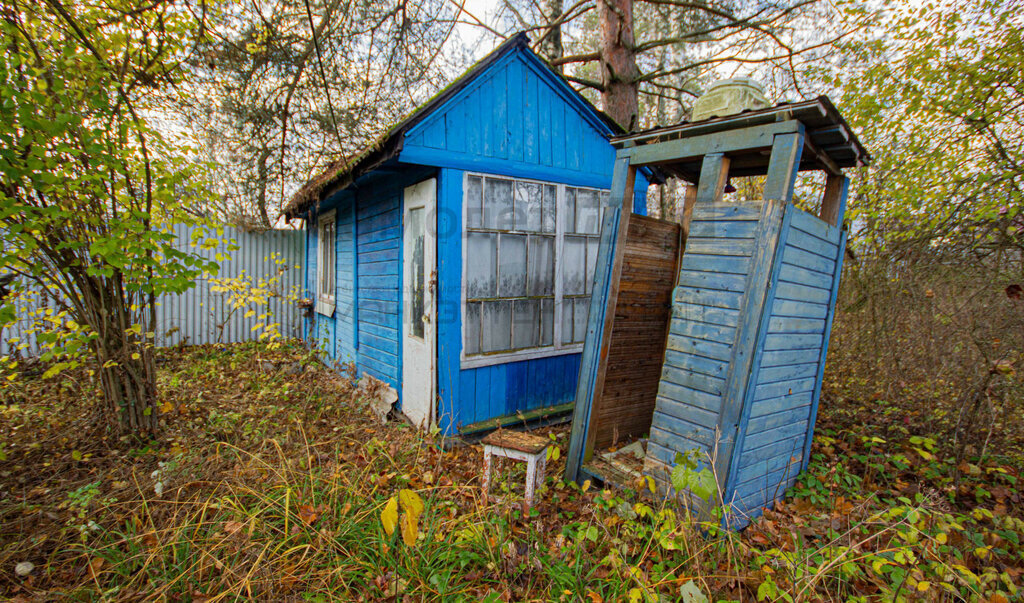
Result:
[{"x": 516, "y": 111}]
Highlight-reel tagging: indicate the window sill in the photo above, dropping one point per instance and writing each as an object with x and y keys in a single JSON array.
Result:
[
  {"x": 325, "y": 307},
  {"x": 473, "y": 362}
]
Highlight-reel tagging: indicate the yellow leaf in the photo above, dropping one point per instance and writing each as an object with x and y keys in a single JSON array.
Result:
[
  {"x": 941, "y": 538},
  {"x": 389, "y": 516},
  {"x": 250, "y": 313},
  {"x": 411, "y": 502},
  {"x": 585, "y": 486},
  {"x": 166, "y": 407},
  {"x": 923, "y": 586},
  {"x": 410, "y": 529},
  {"x": 135, "y": 356}
]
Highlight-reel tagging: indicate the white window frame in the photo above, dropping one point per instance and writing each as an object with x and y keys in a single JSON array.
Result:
[
  {"x": 326, "y": 248},
  {"x": 557, "y": 348}
]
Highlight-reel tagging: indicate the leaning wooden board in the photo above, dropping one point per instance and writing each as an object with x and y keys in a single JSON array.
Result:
[{"x": 629, "y": 375}]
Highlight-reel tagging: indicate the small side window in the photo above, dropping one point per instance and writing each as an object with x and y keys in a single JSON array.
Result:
[{"x": 325, "y": 263}]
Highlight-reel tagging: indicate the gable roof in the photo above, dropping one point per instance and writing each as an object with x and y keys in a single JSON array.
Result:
[{"x": 346, "y": 170}]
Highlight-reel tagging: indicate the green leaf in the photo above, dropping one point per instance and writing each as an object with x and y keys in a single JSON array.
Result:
[{"x": 689, "y": 592}]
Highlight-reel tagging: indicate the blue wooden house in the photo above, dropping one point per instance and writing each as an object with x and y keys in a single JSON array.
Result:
[{"x": 454, "y": 257}]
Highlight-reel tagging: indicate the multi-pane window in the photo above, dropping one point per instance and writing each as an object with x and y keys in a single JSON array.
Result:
[
  {"x": 582, "y": 227},
  {"x": 530, "y": 249},
  {"x": 325, "y": 263}
]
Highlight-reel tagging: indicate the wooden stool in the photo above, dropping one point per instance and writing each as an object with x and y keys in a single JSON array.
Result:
[{"x": 519, "y": 446}]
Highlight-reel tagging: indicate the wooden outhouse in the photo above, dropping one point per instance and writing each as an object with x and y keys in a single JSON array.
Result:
[
  {"x": 453, "y": 257},
  {"x": 742, "y": 348}
]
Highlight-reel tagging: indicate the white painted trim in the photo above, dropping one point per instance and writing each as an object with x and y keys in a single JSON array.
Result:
[
  {"x": 557, "y": 348},
  {"x": 528, "y": 354},
  {"x": 419, "y": 353},
  {"x": 326, "y": 301}
]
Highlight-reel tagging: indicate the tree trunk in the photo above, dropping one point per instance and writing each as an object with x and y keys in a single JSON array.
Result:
[
  {"x": 123, "y": 353},
  {"x": 551, "y": 44},
  {"x": 129, "y": 390},
  {"x": 619, "y": 73},
  {"x": 263, "y": 181}
]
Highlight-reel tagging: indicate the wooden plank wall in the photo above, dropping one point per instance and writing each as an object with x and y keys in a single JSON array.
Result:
[
  {"x": 345, "y": 296},
  {"x": 625, "y": 405},
  {"x": 705, "y": 314},
  {"x": 378, "y": 280},
  {"x": 518, "y": 119},
  {"x": 335, "y": 334},
  {"x": 775, "y": 423}
]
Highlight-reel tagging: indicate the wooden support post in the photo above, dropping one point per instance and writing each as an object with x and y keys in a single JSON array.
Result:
[
  {"x": 833, "y": 202},
  {"x": 714, "y": 173},
  {"x": 686, "y": 212},
  {"x": 616, "y": 217},
  {"x": 783, "y": 165},
  {"x": 609, "y": 313}
]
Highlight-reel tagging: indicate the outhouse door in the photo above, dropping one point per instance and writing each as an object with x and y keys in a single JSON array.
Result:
[{"x": 419, "y": 276}]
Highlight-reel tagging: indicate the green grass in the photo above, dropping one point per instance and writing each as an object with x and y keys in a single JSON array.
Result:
[{"x": 268, "y": 486}]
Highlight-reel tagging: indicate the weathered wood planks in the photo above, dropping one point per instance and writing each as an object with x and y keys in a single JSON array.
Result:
[{"x": 624, "y": 405}]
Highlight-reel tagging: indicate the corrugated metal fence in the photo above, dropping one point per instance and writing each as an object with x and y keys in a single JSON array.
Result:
[{"x": 201, "y": 315}]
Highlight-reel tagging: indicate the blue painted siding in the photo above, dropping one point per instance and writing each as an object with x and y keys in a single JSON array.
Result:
[
  {"x": 473, "y": 395},
  {"x": 378, "y": 218},
  {"x": 790, "y": 331},
  {"x": 344, "y": 314},
  {"x": 335, "y": 335},
  {"x": 705, "y": 317},
  {"x": 518, "y": 119},
  {"x": 777, "y": 422},
  {"x": 366, "y": 327}
]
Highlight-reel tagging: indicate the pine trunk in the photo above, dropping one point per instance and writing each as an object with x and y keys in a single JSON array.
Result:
[
  {"x": 551, "y": 44},
  {"x": 619, "y": 72}
]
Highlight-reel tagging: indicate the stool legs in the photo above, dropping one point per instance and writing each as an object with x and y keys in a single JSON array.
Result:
[
  {"x": 534, "y": 476},
  {"x": 531, "y": 482},
  {"x": 487, "y": 471},
  {"x": 535, "y": 466}
]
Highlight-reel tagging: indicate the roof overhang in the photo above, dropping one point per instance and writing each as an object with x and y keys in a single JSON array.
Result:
[
  {"x": 342, "y": 173},
  {"x": 830, "y": 144}
]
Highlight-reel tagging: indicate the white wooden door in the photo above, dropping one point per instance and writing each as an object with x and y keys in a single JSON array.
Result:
[{"x": 419, "y": 278}]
